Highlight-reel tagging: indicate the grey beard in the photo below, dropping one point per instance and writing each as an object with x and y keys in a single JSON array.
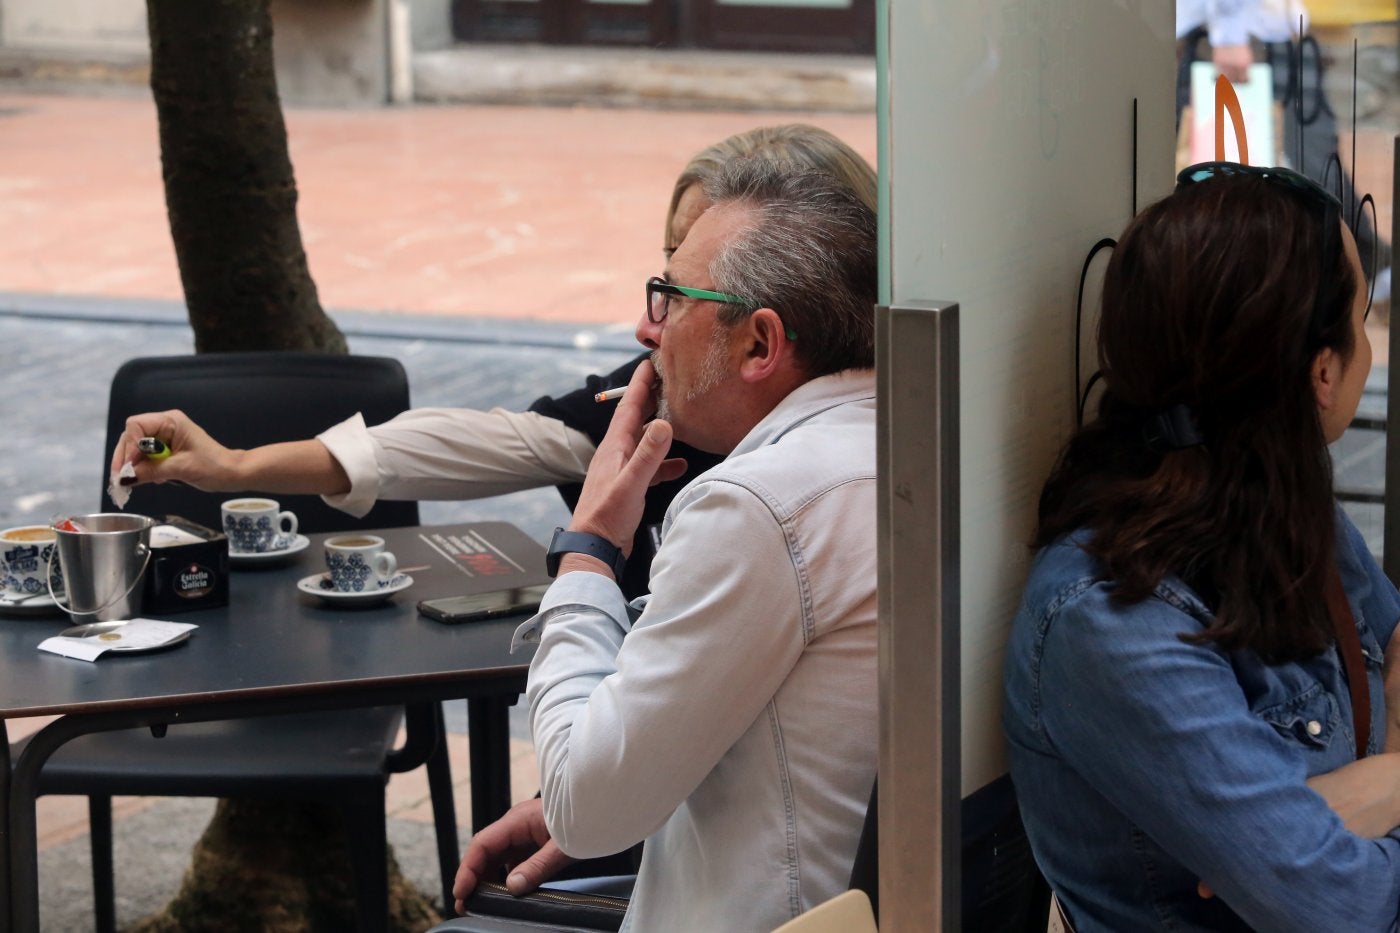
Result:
[
  {"x": 712, "y": 373},
  {"x": 663, "y": 409}
]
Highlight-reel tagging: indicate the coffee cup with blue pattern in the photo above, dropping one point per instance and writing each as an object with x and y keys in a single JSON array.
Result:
[
  {"x": 257, "y": 526},
  {"x": 28, "y": 564},
  {"x": 358, "y": 563}
]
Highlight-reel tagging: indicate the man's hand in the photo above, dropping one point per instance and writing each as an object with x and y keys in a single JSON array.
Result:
[
  {"x": 1233, "y": 62},
  {"x": 519, "y": 843},
  {"x": 631, "y": 458},
  {"x": 196, "y": 458}
]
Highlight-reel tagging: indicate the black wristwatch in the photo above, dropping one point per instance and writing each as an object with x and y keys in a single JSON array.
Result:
[{"x": 581, "y": 542}]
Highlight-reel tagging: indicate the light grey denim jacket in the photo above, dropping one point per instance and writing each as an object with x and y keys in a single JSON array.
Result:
[{"x": 733, "y": 725}]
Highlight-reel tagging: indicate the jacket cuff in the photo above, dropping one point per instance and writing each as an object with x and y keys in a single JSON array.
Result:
[{"x": 351, "y": 445}]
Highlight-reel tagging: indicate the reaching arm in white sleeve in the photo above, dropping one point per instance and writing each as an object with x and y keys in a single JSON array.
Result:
[{"x": 453, "y": 453}]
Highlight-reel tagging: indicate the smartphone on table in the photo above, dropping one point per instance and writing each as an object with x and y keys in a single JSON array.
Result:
[{"x": 479, "y": 607}]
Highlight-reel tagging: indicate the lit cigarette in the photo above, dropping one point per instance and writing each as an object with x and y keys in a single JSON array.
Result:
[{"x": 610, "y": 394}]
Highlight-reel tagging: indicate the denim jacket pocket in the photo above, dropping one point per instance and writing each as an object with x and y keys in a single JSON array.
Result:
[{"x": 1311, "y": 718}]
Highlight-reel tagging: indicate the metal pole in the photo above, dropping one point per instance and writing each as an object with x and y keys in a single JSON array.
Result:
[
  {"x": 920, "y": 760},
  {"x": 6, "y": 884},
  {"x": 1390, "y": 548},
  {"x": 398, "y": 42}
]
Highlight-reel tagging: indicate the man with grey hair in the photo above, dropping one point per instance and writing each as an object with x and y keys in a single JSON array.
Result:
[{"x": 729, "y": 719}]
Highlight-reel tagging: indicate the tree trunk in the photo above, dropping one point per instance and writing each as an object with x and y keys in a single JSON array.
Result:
[
  {"x": 229, "y": 187},
  {"x": 261, "y": 864},
  {"x": 267, "y": 866}
]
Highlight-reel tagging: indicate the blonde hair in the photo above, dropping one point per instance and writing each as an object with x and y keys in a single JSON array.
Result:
[{"x": 799, "y": 145}]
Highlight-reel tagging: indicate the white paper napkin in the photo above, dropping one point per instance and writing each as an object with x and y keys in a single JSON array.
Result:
[
  {"x": 119, "y": 493},
  {"x": 170, "y": 536},
  {"x": 136, "y": 635}
]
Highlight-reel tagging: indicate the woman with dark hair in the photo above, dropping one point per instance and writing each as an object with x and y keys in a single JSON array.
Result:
[{"x": 1194, "y": 694}]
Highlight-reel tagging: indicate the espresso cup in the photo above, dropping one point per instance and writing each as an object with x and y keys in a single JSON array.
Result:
[
  {"x": 358, "y": 563},
  {"x": 255, "y": 526},
  {"x": 26, "y": 558}
]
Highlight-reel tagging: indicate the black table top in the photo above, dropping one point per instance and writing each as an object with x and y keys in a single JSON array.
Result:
[{"x": 273, "y": 641}]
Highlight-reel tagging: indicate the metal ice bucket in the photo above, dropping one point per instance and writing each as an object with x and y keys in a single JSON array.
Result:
[{"x": 104, "y": 559}]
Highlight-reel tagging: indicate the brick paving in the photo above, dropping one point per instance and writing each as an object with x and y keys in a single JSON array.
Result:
[{"x": 486, "y": 211}]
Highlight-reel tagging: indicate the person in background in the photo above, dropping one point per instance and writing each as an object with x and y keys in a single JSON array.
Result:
[
  {"x": 1231, "y": 27},
  {"x": 460, "y": 453},
  {"x": 1201, "y": 734}
]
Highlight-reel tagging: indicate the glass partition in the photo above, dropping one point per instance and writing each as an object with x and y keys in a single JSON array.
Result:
[{"x": 1319, "y": 95}]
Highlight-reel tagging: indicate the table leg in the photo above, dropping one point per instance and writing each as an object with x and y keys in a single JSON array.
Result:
[
  {"x": 488, "y": 731},
  {"x": 444, "y": 808},
  {"x": 19, "y": 797},
  {"x": 427, "y": 745},
  {"x": 104, "y": 892},
  {"x": 5, "y": 881},
  {"x": 23, "y": 831}
]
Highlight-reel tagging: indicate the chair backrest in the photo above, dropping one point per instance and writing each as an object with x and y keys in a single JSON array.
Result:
[
  {"x": 847, "y": 912},
  {"x": 1003, "y": 890},
  {"x": 247, "y": 399}
]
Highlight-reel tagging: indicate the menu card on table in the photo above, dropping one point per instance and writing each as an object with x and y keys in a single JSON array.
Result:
[{"x": 490, "y": 556}]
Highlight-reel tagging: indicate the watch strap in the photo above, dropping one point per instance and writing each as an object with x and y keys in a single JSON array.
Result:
[{"x": 583, "y": 542}]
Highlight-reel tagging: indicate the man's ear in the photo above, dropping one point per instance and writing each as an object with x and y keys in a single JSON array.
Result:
[
  {"x": 768, "y": 346},
  {"x": 1326, "y": 374}
]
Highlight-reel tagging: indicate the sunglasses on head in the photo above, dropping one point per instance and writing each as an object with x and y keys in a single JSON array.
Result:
[
  {"x": 1302, "y": 184},
  {"x": 1277, "y": 174}
]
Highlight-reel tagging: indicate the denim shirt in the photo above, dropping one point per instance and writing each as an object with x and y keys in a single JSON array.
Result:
[{"x": 1144, "y": 764}]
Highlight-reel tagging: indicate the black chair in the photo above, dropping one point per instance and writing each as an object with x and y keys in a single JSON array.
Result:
[
  {"x": 340, "y": 757},
  {"x": 1003, "y": 890}
]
